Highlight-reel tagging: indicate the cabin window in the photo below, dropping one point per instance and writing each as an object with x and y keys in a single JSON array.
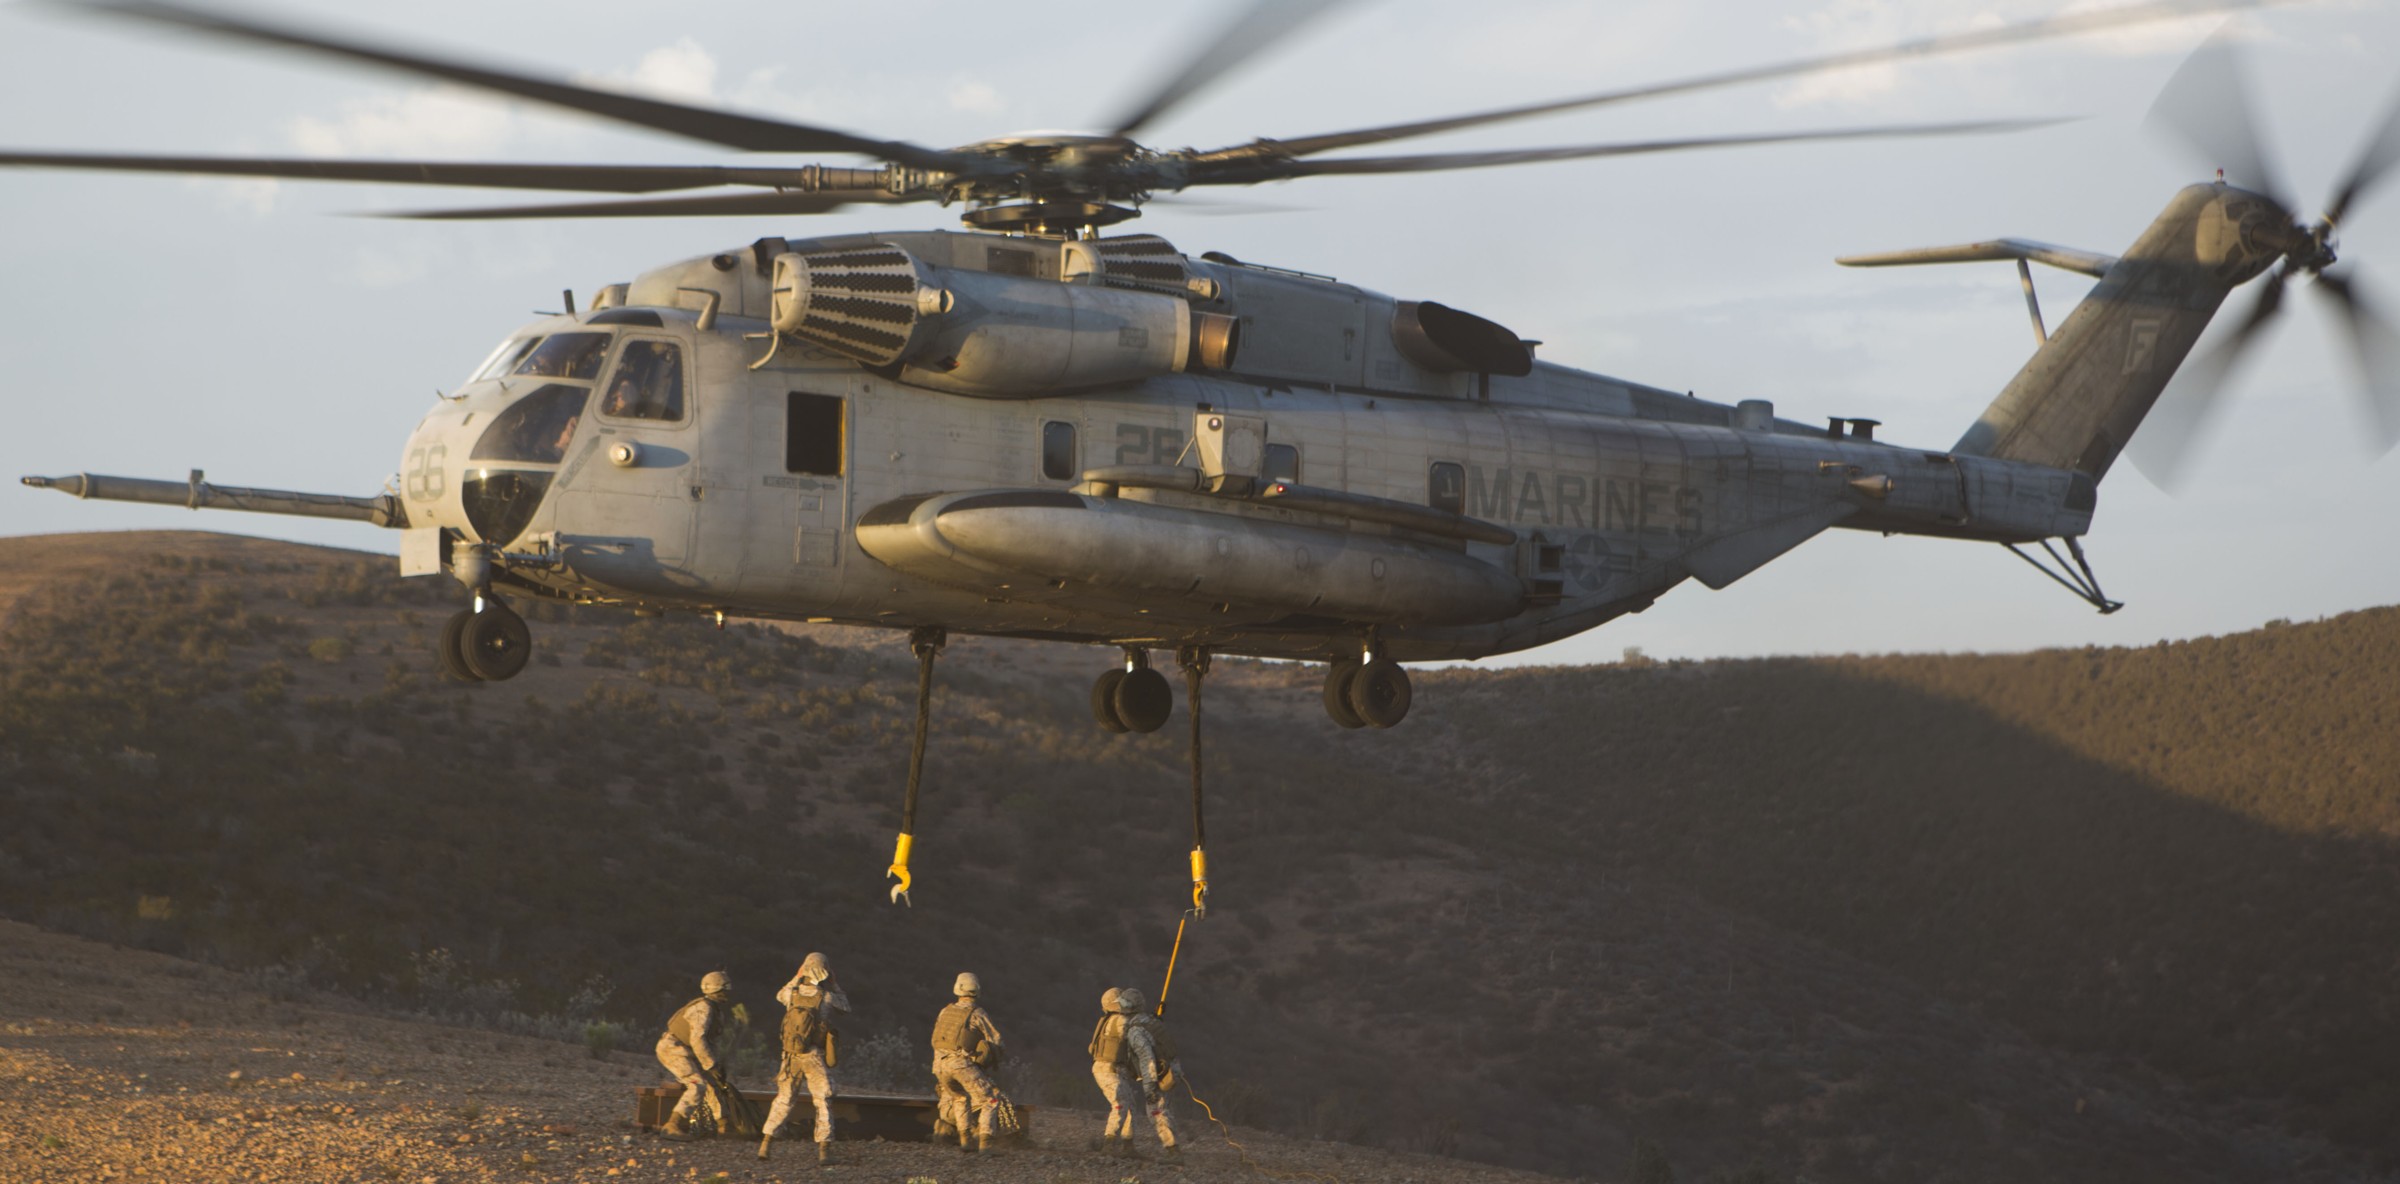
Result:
[
  {"x": 1282, "y": 463},
  {"x": 535, "y": 428},
  {"x": 648, "y": 383},
  {"x": 1446, "y": 487},
  {"x": 1058, "y": 451},
  {"x": 812, "y": 434},
  {"x": 567, "y": 355}
]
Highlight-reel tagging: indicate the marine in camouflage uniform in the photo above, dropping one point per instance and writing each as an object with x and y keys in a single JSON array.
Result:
[
  {"x": 807, "y": 1051},
  {"x": 965, "y": 1042},
  {"x": 1150, "y": 1059},
  {"x": 697, "y": 1039},
  {"x": 1108, "y": 1069}
]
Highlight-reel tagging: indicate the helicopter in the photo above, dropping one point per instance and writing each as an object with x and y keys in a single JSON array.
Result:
[{"x": 1037, "y": 428}]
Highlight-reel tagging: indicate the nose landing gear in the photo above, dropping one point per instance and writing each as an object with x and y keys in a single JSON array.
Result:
[
  {"x": 486, "y": 643},
  {"x": 489, "y": 643}
]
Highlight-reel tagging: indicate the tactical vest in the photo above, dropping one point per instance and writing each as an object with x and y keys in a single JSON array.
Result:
[
  {"x": 1108, "y": 1040},
  {"x": 681, "y": 1028},
  {"x": 804, "y": 1026},
  {"x": 952, "y": 1031},
  {"x": 1162, "y": 1046}
]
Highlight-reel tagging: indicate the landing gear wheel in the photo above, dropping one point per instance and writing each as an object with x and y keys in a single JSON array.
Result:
[
  {"x": 451, "y": 649},
  {"x": 1338, "y": 677},
  {"x": 495, "y": 643},
  {"x": 1104, "y": 701},
  {"x": 1379, "y": 693},
  {"x": 1143, "y": 700}
]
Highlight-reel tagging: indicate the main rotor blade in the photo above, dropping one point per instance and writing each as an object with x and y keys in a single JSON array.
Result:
[
  {"x": 2207, "y": 105},
  {"x": 750, "y": 204},
  {"x": 2376, "y": 345},
  {"x": 1924, "y": 47},
  {"x": 748, "y": 132},
  {"x": 2164, "y": 441},
  {"x": 591, "y": 178},
  {"x": 2381, "y": 153},
  {"x": 1250, "y": 171},
  {"x": 1266, "y": 22}
]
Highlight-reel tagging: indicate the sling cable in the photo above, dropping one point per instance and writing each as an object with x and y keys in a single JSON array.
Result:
[
  {"x": 926, "y": 642},
  {"x": 1194, "y": 660}
]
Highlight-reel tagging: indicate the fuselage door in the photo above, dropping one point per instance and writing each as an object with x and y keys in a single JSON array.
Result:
[{"x": 632, "y": 487}]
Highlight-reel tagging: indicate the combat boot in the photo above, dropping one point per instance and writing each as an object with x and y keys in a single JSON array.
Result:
[
  {"x": 1171, "y": 1152},
  {"x": 983, "y": 1141},
  {"x": 824, "y": 1154},
  {"x": 764, "y": 1143}
]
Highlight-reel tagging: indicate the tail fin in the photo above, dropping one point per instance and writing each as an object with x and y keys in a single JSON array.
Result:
[{"x": 2079, "y": 399}]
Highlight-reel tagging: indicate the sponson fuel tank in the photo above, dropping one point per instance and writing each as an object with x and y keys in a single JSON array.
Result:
[{"x": 1032, "y": 537}]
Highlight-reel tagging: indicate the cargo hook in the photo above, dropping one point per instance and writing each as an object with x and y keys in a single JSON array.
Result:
[{"x": 926, "y": 642}]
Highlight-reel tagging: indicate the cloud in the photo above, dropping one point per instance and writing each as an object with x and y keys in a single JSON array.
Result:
[
  {"x": 976, "y": 97},
  {"x": 255, "y": 197},
  {"x": 438, "y": 121},
  {"x": 682, "y": 70}
]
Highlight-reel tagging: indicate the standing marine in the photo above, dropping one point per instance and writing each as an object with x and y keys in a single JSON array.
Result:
[
  {"x": 694, "y": 1047},
  {"x": 1108, "y": 1069},
  {"x": 1150, "y": 1056},
  {"x": 808, "y": 1051},
  {"x": 965, "y": 1046}
]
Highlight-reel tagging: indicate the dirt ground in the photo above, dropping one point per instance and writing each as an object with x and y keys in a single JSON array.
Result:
[{"x": 123, "y": 1065}]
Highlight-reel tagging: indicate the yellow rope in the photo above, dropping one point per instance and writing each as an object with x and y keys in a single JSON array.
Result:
[{"x": 1244, "y": 1152}]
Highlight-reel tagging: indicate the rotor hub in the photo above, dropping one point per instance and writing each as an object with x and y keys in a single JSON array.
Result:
[{"x": 1050, "y": 219}]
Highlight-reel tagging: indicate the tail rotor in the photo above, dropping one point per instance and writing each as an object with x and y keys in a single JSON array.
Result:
[{"x": 2207, "y": 106}]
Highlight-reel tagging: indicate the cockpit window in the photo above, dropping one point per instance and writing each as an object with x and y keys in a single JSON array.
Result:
[
  {"x": 567, "y": 355},
  {"x": 648, "y": 383},
  {"x": 505, "y": 358},
  {"x": 535, "y": 428}
]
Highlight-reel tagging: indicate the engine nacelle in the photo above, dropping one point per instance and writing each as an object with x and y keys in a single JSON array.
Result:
[{"x": 984, "y": 334}]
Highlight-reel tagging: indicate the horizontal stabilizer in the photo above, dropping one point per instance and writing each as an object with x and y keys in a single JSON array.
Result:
[
  {"x": 1721, "y": 561},
  {"x": 2091, "y": 263}
]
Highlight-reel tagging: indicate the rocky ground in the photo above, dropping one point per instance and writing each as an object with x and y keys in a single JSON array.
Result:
[{"x": 118, "y": 1064}]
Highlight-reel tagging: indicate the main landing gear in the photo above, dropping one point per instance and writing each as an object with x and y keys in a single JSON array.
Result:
[
  {"x": 1367, "y": 691},
  {"x": 1133, "y": 699},
  {"x": 486, "y": 643}
]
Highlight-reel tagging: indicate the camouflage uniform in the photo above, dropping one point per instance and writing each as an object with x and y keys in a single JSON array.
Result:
[
  {"x": 1150, "y": 1060},
  {"x": 964, "y": 1040},
  {"x": 812, "y": 990},
  {"x": 695, "y": 1042},
  {"x": 1108, "y": 1069}
]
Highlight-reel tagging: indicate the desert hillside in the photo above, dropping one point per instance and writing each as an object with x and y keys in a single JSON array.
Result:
[{"x": 2073, "y": 915}]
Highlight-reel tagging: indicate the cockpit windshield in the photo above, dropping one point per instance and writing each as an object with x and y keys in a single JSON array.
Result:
[
  {"x": 504, "y": 358},
  {"x": 536, "y": 428},
  {"x": 566, "y": 355}
]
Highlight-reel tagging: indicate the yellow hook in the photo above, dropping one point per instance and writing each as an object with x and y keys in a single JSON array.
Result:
[
  {"x": 1199, "y": 882},
  {"x": 899, "y": 868}
]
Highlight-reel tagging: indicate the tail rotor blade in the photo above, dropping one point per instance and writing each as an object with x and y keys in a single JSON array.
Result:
[
  {"x": 2376, "y": 344},
  {"x": 2174, "y": 424},
  {"x": 2382, "y": 152},
  {"x": 2207, "y": 106}
]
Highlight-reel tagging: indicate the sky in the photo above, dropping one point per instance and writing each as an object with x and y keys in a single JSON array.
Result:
[{"x": 259, "y": 331}]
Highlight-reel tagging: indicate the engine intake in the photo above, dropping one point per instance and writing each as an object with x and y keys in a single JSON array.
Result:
[{"x": 986, "y": 334}]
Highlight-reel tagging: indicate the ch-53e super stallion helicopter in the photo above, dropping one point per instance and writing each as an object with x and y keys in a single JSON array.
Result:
[{"x": 1034, "y": 429}]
